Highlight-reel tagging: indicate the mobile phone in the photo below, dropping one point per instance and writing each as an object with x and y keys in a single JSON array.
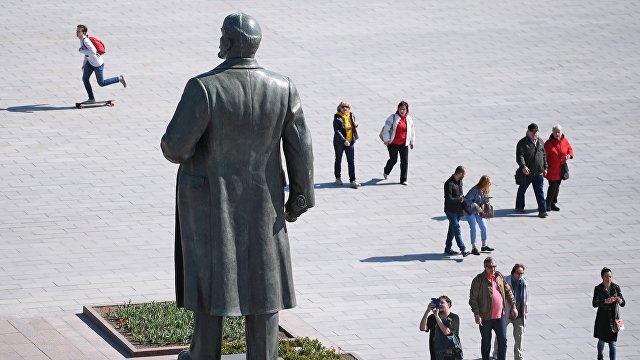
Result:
[{"x": 436, "y": 302}]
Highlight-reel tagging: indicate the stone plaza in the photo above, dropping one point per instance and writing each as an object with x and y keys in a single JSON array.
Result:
[{"x": 87, "y": 199}]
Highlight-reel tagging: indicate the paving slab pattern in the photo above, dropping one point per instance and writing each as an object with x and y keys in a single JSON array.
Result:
[{"x": 87, "y": 203}]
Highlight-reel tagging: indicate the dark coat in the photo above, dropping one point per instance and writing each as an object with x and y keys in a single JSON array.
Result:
[
  {"x": 340, "y": 133},
  {"x": 232, "y": 249},
  {"x": 557, "y": 151},
  {"x": 531, "y": 156},
  {"x": 604, "y": 327},
  {"x": 453, "y": 196}
]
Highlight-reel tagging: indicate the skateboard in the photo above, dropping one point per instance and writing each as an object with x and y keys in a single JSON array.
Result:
[{"x": 96, "y": 104}]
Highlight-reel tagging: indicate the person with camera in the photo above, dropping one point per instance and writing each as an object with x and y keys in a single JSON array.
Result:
[{"x": 439, "y": 324}]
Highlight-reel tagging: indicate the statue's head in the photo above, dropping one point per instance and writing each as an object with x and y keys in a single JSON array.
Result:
[{"x": 241, "y": 36}]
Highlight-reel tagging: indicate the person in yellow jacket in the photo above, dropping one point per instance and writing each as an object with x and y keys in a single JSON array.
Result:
[{"x": 345, "y": 134}]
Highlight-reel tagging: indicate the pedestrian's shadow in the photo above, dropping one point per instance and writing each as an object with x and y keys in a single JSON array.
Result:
[
  {"x": 331, "y": 185},
  {"x": 37, "y": 107},
  {"x": 499, "y": 213},
  {"x": 377, "y": 181},
  {"x": 411, "y": 257}
]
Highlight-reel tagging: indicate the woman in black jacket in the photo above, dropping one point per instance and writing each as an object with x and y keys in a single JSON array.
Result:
[
  {"x": 607, "y": 297},
  {"x": 345, "y": 134}
]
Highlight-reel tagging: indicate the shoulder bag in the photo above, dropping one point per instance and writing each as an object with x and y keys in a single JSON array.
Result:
[
  {"x": 564, "y": 168},
  {"x": 390, "y": 129},
  {"x": 487, "y": 209}
]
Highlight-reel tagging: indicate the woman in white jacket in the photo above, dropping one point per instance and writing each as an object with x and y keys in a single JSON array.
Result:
[{"x": 398, "y": 135}]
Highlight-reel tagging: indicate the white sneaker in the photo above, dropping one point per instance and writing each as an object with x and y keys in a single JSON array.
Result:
[
  {"x": 122, "y": 81},
  {"x": 90, "y": 101},
  {"x": 338, "y": 181},
  {"x": 355, "y": 185},
  {"x": 404, "y": 183}
]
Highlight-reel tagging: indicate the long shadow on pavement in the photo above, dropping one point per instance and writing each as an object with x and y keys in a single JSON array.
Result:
[
  {"x": 37, "y": 107},
  {"x": 499, "y": 213},
  {"x": 412, "y": 257},
  {"x": 103, "y": 335}
]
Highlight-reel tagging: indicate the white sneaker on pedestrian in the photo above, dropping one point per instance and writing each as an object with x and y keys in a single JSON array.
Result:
[
  {"x": 404, "y": 183},
  {"x": 338, "y": 181},
  {"x": 122, "y": 81},
  {"x": 355, "y": 185},
  {"x": 89, "y": 101}
]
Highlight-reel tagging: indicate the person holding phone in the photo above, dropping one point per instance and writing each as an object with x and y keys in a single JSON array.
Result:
[
  {"x": 607, "y": 297},
  {"x": 442, "y": 322}
]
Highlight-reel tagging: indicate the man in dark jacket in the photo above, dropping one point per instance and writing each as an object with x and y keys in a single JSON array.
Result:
[
  {"x": 453, "y": 208},
  {"x": 232, "y": 249},
  {"x": 532, "y": 161}
]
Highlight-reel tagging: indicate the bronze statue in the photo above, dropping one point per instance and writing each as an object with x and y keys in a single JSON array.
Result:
[{"x": 232, "y": 250}]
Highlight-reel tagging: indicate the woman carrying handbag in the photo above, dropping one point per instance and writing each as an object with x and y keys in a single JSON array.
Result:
[{"x": 607, "y": 297}]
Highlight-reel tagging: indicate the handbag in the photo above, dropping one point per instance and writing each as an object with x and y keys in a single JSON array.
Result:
[
  {"x": 520, "y": 177},
  {"x": 564, "y": 171},
  {"x": 618, "y": 324},
  {"x": 487, "y": 211},
  {"x": 449, "y": 344},
  {"x": 390, "y": 130},
  {"x": 564, "y": 168}
]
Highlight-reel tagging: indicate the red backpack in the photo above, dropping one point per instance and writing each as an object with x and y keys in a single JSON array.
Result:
[{"x": 100, "y": 48}]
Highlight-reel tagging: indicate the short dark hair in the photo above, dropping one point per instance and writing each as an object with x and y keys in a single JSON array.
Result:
[
  {"x": 446, "y": 298},
  {"x": 604, "y": 271},
  {"x": 460, "y": 169},
  {"x": 83, "y": 28},
  {"x": 515, "y": 268},
  {"x": 402, "y": 103}
]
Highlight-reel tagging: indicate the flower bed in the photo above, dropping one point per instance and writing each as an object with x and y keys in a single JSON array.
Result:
[{"x": 161, "y": 328}]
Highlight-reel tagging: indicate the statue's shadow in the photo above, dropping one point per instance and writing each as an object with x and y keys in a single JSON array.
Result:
[
  {"x": 413, "y": 257},
  {"x": 36, "y": 107}
]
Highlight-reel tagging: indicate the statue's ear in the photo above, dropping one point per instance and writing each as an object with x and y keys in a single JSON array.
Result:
[{"x": 227, "y": 44}]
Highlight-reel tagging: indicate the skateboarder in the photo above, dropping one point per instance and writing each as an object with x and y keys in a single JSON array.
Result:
[{"x": 93, "y": 62}]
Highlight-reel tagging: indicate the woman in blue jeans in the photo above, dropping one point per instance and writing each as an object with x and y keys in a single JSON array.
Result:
[
  {"x": 474, "y": 200},
  {"x": 607, "y": 297}
]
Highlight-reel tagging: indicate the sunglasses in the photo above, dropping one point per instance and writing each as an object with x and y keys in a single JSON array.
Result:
[{"x": 491, "y": 266}]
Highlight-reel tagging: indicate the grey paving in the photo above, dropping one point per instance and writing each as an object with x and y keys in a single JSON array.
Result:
[{"x": 86, "y": 198}]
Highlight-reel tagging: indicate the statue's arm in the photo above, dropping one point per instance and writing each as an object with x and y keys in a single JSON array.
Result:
[
  {"x": 298, "y": 155},
  {"x": 188, "y": 123}
]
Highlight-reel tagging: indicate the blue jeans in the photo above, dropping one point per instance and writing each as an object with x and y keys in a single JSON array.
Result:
[
  {"x": 350, "y": 152},
  {"x": 454, "y": 230},
  {"x": 612, "y": 349},
  {"x": 538, "y": 189},
  {"x": 472, "y": 220},
  {"x": 86, "y": 74},
  {"x": 500, "y": 328}
]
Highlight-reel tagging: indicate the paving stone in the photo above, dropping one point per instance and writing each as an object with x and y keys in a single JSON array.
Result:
[{"x": 86, "y": 197}]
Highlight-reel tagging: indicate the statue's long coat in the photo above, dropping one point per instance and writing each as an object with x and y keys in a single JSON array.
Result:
[{"x": 232, "y": 249}]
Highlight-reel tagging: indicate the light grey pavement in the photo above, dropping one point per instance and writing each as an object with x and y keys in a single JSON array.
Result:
[{"x": 87, "y": 199}]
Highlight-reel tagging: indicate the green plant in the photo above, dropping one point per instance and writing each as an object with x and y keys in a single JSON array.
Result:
[{"x": 162, "y": 323}]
